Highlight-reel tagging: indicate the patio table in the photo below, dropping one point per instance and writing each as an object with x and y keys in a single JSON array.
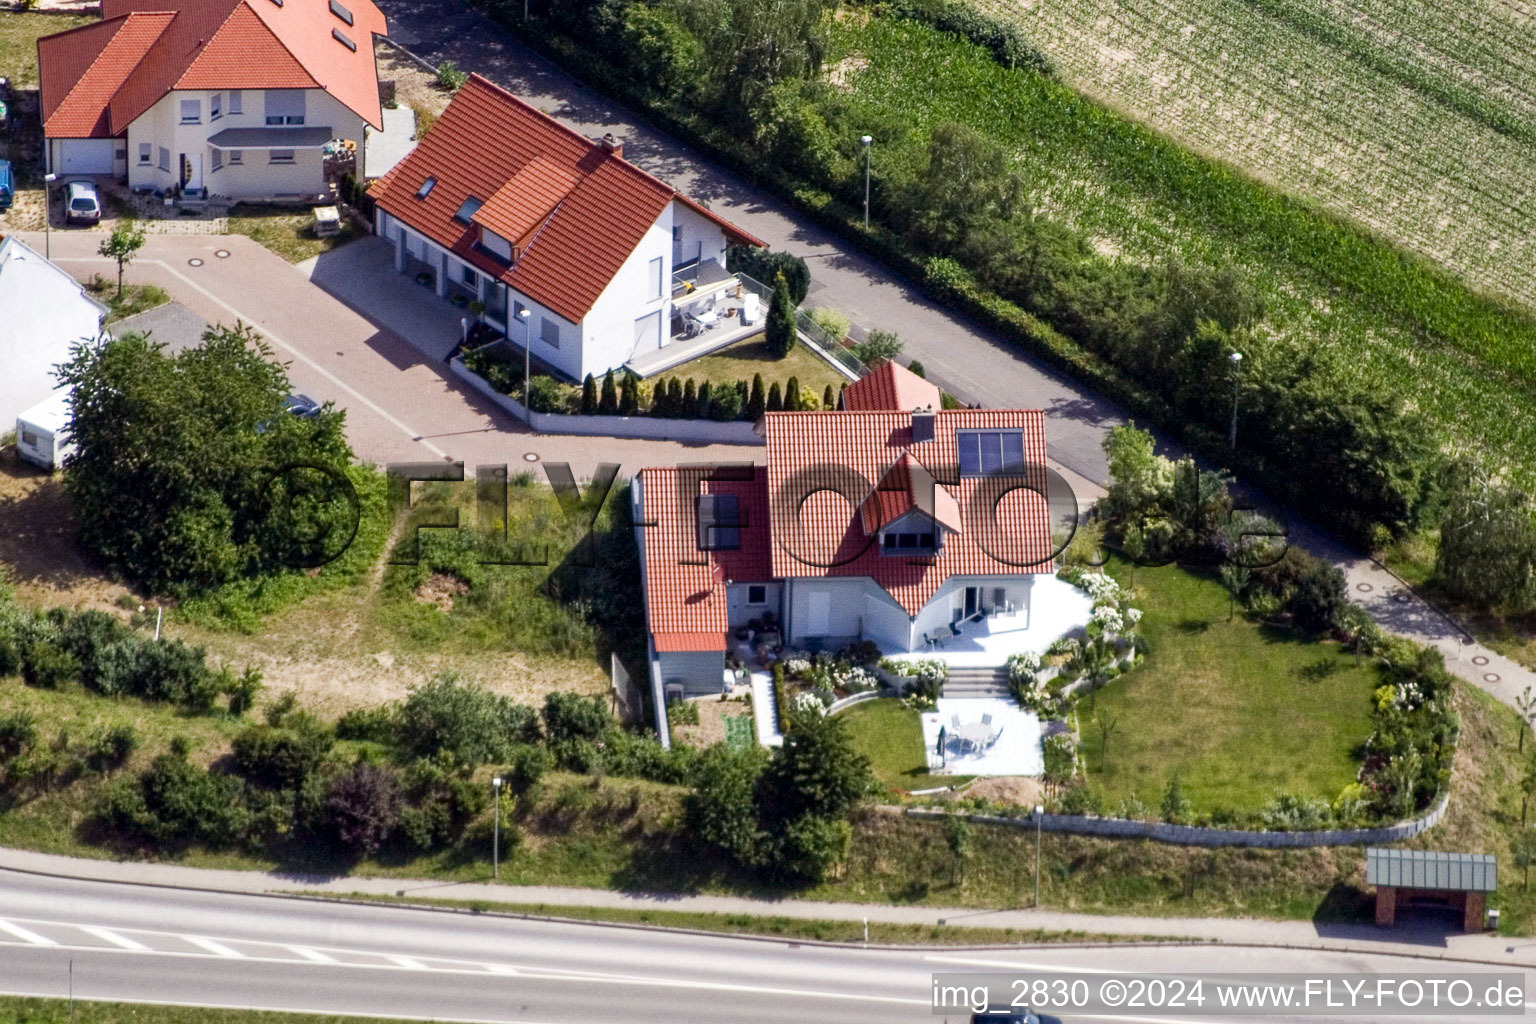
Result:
[{"x": 973, "y": 734}]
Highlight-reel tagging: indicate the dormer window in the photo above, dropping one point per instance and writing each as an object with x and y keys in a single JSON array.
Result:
[
  {"x": 719, "y": 522},
  {"x": 341, "y": 12},
  {"x": 467, "y": 210},
  {"x": 426, "y": 188},
  {"x": 909, "y": 544}
]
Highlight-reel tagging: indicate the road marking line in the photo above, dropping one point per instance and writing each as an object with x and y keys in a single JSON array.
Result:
[
  {"x": 53, "y": 994},
  {"x": 112, "y": 937},
  {"x": 414, "y": 435},
  {"x": 213, "y": 947},
  {"x": 501, "y": 969},
  {"x": 408, "y": 963},
  {"x": 310, "y": 954},
  {"x": 24, "y": 935}
]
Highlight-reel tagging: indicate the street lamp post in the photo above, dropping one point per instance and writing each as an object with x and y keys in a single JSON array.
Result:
[
  {"x": 1039, "y": 814},
  {"x": 523, "y": 315},
  {"x": 496, "y": 829},
  {"x": 1237, "y": 366},
  {"x": 867, "y": 141},
  {"x": 48, "y": 180}
]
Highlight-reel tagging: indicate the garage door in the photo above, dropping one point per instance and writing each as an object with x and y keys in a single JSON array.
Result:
[{"x": 86, "y": 156}]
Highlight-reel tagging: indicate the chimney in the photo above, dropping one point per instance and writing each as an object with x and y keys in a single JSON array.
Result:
[
  {"x": 612, "y": 145},
  {"x": 922, "y": 425}
]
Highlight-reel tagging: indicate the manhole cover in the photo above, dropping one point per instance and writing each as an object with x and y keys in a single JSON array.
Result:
[
  {"x": 222, "y": 254},
  {"x": 1364, "y": 588},
  {"x": 194, "y": 262},
  {"x": 530, "y": 457},
  {"x": 1479, "y": 659},
  {"x": 1491, "y": 677}
]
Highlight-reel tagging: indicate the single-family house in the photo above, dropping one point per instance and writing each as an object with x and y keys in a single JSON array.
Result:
[
  {"x": 231, "y": 98},
  {"x": 517, "y": 211},
  {"x": 43, "y": 311},
  {"x": 890, "y": 520}
]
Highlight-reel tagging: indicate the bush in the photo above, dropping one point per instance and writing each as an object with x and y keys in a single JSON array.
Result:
[
  {"x": 766, "y": 266},
  {"x": 282, "y": 757},
  {"x": 469, "y": 723},
  {"x": 545, "y": 394},
  {"x": 176, "y": 804},
  {"x": 779, "y": 327},
  {"x": 879, "y": 347},
  {"x": 375, "y": 724},
  {"x": 683, "y": 712},
  {"x": 111, "y": 746},
  {"x": 721, "y": 811},
  {"x": 362, "y": 808},
  {"x": 830, "y": 320},
  {"x": 47, "y": 665},
  {"x": 570, "y": 716},
  {"x": 18, "y": 734},
  {"x": 526, "y": 766},
  {"x": 449, "y": 77},
  {"x": 811, "y": 845}
]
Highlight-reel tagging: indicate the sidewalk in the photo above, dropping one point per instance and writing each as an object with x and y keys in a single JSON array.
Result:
[{"x": 1403, "y": 941}]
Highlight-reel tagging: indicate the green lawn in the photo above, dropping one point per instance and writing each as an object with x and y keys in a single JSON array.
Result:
[
  {"x": 1239, "y": 710},
  {"x": 287, "y": 231},
  {"x": 891, "y": 736},
  {"x": 19, "y": 34},
  {"x": 741, "y": 360}
]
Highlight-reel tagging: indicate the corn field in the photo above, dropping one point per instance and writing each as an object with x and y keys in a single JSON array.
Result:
[
  {"x": 1416, "y": 119},
  {"x": 1353, "y": 140}
]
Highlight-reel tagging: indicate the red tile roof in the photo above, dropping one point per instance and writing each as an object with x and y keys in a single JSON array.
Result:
[
  {"x": 685, "y": 587},
  {"x": 907, "y": 485},
  {"x": 155, "y": 46},
  {"x": 584, "y": 212},
  {"x": 889, "y": 386},
  {"x": 836, "y": 458}
]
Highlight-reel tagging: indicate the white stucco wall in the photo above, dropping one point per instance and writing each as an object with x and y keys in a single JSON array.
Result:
[
  {"x": 45, "y": 311},
  {"x": 845, "y": 603},
  {"x": 255, "y": 177},
  {"x": 939, "y": 611},
  {"x": 608, "y": 332},
  {"x": 698, "y": 233}
]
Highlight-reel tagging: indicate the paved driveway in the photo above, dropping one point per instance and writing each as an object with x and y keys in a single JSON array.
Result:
[{"x": 402, "y": 403}]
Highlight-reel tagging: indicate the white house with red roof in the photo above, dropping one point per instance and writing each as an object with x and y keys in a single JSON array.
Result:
[
  {"x": 890, "y": 520},
  {"x": 523, "y": 213},
  {"x": 231, "y": 98}
]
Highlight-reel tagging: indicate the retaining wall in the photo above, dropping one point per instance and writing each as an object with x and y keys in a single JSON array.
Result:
[
  {"x": 645, "y": 427},
  {"x": 857, "y": 698},
  {"x": 1195, "y": 835}
]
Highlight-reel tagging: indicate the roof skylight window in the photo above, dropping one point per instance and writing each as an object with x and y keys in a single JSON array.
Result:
[
  {"x": 426, "y": 188},
  {"x": 468, "y": 209}
]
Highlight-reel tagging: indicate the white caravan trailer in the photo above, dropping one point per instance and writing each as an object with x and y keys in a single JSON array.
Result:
[{"x": 41, "y": 437}]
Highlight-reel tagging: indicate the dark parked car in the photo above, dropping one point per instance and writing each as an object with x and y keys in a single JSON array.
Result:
[{"x": 302, "y": 406}]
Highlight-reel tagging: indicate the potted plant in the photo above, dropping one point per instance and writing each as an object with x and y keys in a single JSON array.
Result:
[{"x": 423, "y": 278}]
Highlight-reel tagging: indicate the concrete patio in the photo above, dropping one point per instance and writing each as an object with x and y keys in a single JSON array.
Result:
[
  {"x": 1055, "y": 609},
  {"x": 1015, "y": 751}
]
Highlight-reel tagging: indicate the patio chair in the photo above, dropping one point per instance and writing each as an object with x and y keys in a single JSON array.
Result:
[
  {"x": 986, "y": 719},
  {"x": 954, "y": 720},
  {"x": 992, "y": 742}
]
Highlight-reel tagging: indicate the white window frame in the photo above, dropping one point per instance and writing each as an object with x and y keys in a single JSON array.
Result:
[
  {"x": 236, "y": 157},
  {"x": 549, "y": 331},
  {"x": 196, "y": 107},
  {"x": 146, "y": 154},
  {"x": 215, "y": 106},
  {"x": 165, "y": 160},
  {"x": 217, "y": 161},
  {"x": 469, "y": 276},
  {"x": 235, "y": 102},
  {"x": 275, "y": 156},
  {"x": 284, "y": 110}
]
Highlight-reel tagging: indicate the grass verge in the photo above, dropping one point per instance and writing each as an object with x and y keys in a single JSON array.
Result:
[
  {"x": 23, "y": 1010},
  {"x": 770, "y": 926},
  {"x": 287, "y": 232},
  {"x": 132, "y": 300},
  {"x": 19, "y": 33}
]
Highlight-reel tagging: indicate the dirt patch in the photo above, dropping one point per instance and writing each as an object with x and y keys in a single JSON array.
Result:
[
  {"x": 839, "y": 75},
  {"x": 441, "y": 589},
  {"x": 39, "y": 555},
  {"x": 1015, "y": 790},
  {"x": 415, "y": 86}
]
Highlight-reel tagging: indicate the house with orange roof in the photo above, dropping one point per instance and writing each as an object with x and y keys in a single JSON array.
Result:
[
  {"x": 222, "y": 98},
  {"x": 505, "y": 205},
  {"x": 926, "y": 531}
]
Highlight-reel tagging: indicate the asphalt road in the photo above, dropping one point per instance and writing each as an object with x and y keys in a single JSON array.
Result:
[{"x": 146, "y": 944}]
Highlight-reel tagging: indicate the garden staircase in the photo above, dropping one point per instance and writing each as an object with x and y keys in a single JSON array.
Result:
[{"x": 966, "y": 683}]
